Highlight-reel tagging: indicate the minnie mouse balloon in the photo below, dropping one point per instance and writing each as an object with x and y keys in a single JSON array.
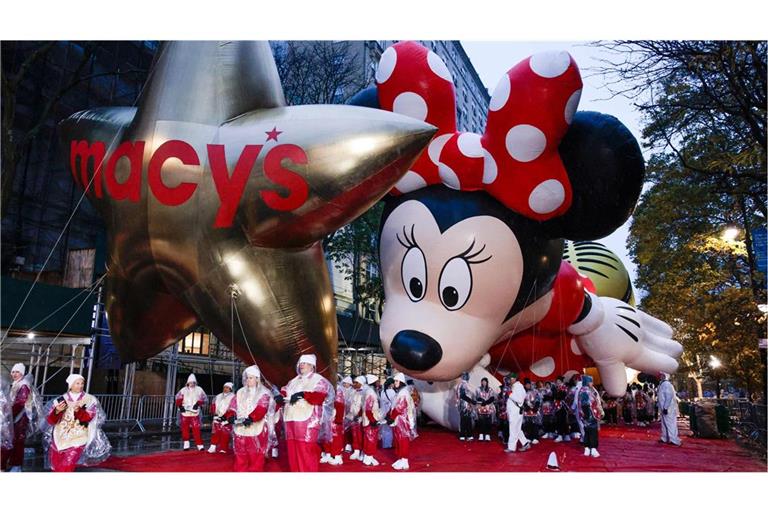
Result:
[
  {"x": 471, "y": 239},
  {"x": 215, "y": 196}
]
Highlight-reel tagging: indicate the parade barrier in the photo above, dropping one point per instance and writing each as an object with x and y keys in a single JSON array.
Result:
[{"x": 140, "y": 411}]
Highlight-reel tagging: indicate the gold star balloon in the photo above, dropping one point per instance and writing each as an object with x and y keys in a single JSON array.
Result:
[{"x": 216, "y": 195}]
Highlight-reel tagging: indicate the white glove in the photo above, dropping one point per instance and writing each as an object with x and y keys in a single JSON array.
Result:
[{"x": 616, "y": 336}]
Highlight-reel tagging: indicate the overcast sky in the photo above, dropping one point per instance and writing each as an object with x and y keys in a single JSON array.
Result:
[{"x": 492, "y": 59}]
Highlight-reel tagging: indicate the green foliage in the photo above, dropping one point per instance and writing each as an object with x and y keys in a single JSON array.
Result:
[{"x": 704, "y": 123}]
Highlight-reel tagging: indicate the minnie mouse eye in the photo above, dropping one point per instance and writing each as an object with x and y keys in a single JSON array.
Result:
[
  {"x": 455, "y": 284},
  {"x": 414, "y": 274}
]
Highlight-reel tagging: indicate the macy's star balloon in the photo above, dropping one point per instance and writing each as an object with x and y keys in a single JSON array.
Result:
[{"x": 215, "y": 196}]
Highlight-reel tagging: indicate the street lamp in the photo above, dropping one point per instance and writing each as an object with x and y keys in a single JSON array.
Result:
[
  {"x": 30, "y": 335},
  {"x": 715, "y": 363},
  {"x": 730, "y": 234}
]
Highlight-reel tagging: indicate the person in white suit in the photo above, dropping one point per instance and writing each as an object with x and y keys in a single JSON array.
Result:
[
  {"x": 667, "y": 400},
  {"x": 515, "y": 403}
]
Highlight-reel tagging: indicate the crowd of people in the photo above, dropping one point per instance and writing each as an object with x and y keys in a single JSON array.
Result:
[
  {"x": 564, "y": 410},
  {"x": 320, "y": 423}
]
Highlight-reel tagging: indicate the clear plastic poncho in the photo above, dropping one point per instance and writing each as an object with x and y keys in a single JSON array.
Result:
[
  {"x": 243, "y": 439},
  {"x": 97, "y": 448},
  {"x": 185, "y": 394},
  {"x": 405, "y": 422},
  {"x": 6, "y": 418},
  {"x": 33, "y": 406},
  {"x": 301, "y": 428}
]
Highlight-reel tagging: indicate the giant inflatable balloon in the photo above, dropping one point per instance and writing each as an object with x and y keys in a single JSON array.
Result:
[
  {"x": 472, "y": 236},
  {"x": 215, "y": 196}
]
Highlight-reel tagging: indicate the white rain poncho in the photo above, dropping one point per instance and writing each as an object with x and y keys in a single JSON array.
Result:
[
  {"x": 253, "y": 435},
  {"x": 304, "y": 421},
  {"x": 67, "y": 435}
]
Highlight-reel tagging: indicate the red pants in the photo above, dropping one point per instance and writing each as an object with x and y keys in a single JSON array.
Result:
[
  {"x": 370, "y": 440},
  {"x": 402, "y": 444},
  {"x": 220, "y": 436},
  {"x": 15, "y": 456},
  {"x": 192, "y": 422},
  {"x": 250, "y": 452},
  {"x": 303, "y": 456},
  {"x": 336, "y": 445},
  {"x": 357, "y": 436},
  {"x": 64, "y": 461}
]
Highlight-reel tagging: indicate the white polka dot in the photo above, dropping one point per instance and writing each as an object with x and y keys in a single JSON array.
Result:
[
  {"x": 546, "y": 197},
  {"x": 525, "y": 142},
  {"x": 543, "y": 367},
  {"x": 438, "y": 67},
  {"x": 575, "y": 347},
  {"x": 469, "y": 145},
  {"x": 490, "y": 170},
  {"x": 436, "y": 147},
  {"x": 550, "y": 64},
  {"x": 386, "y": 65},
  {"x": 448, "y": 177},
  {"x": 410, "y": 104},
  {"x": 409, "y": 182},
  {"x": 571, "y": 105},
  {"x": 500, "y": 94}
]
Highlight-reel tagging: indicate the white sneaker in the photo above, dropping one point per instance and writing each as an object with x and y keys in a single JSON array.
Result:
[
  {"x": 559, "y": 439},
  {"x": 212, "y": 449},
  {"x": 186, "y": 445},
  {"x": 577, "y": 435},
  {"x": 397, "y": 464},
  {"x": 595, "y": 454},
  {"x": 325, "y": 458},
  {"x": 336, "y": 461},
  {"x": 274, "y": 453},
  {"x": 587, "y": 452},
  {"x": 366, "y": 460},
  {"x": 471, "y": 438},
  {"x": 348, "y": 448},
  {"x": 462, "y": 439},
  {"x": 372, "y": 461},
  {"x": 567, "y": 438},
  {"x": 355, "y": 455},
  {"x": 535, "y": 441},
  {"x": 405, "y": 465},
  {"x": 200, "y": 447}
]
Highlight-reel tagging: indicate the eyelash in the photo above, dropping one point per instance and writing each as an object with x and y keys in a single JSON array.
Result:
[
  {"x": 409, "y": 242},
  {"x": 469, "y": 257}
]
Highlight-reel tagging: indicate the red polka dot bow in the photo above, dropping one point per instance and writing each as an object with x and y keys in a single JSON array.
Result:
[{"x": 516, "y": 159}]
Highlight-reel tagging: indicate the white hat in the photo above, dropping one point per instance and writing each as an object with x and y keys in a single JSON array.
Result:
[
  {"x": 347, "y": 380},
  {"x": 191, "y": 378},
  {"x": 73, "y": 377},
  {"x": 308, "y": 358},
  {"x": 371, "y": 378},
  {"x": 229, "y": 385},
  {"x": 253, "y": 370},
  {"x": 360, "y": 379},
  {"x": 18, "y": 367},
  {"x": 400, "y": 376}
]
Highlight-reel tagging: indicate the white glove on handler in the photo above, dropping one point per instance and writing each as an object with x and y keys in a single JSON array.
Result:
[{"x": 616, "y": 335}]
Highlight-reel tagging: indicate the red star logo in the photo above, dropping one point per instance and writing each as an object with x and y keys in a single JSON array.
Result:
[{"x": 272, "y": 135}]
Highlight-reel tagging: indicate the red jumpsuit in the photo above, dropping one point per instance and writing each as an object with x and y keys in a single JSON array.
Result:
[
  {"x": 15, "y": 456},
  {"x": 353, "y": 418},
  {"x": 403, "y": 412},
  {"x": 371, "y": 418},
  {"x": 336, "y": 446},
  {"x": 190, "y": 418},
  {"x": 222, "y": 433},
  {"x": 70, "y": 434},
  {"x": 251, "y": 441},
  {"x": 303, "y": 420}
]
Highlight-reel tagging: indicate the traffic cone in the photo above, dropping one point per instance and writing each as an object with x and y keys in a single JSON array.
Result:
[{"x": 552, "y": 462}]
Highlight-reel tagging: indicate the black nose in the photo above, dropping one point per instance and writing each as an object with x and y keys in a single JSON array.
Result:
[{"x": 414, "y": 350}]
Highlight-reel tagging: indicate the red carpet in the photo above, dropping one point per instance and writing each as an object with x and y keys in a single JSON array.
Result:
[{"x": 621, "y": 448}]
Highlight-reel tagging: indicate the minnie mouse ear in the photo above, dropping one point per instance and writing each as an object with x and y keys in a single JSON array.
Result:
[
  {"x": 605, "y": 167},
  {"x": 366, "y": 98}
]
